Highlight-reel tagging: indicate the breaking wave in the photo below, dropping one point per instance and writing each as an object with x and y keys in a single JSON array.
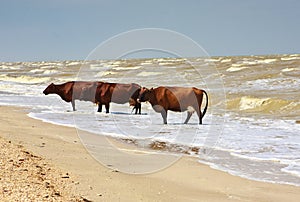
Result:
[
  {"x": 263, "y": 105},
  {"x": 24, "y": 79}
]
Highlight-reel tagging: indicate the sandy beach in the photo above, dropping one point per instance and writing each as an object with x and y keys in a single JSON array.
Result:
[{"x": 70, "y": 173}]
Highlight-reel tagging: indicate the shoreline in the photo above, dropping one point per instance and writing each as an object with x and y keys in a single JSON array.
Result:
[
  {"x": 128, "y": 144},
  {"x": 186, "y": 179}
]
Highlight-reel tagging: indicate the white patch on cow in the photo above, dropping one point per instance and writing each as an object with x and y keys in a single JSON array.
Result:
[{"x": 190, "y": 109}]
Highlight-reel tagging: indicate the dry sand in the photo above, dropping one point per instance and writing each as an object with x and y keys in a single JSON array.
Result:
[{"x": 70, "y": 173}]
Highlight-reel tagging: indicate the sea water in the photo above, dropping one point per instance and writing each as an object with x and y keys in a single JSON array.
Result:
[{"x": 249, "y": 130}]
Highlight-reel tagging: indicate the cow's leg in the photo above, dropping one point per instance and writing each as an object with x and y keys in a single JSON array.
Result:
[
  {"x": 138, "y": 108},
  {"x": 164, "y": 115},
  {"x": 107, "y": 107},
  {"x": 135, "y": 108},
  {"x": 189, "y": 114},
  {"x": 200, "y": 116},
  {"x": 99, "y": 107},
  {"x": 73, "y": 105}
]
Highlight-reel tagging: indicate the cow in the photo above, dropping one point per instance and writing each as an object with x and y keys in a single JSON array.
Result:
[
  {"x": 69, "y": 91},
  {"x": 119, "y": 93},
  {"x": 178, "y": 99}
]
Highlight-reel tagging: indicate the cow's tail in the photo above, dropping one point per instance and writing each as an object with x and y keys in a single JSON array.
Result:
[{"x": 206, "y": 104}]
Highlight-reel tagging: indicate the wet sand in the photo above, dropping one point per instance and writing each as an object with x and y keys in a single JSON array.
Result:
[{"x": 78, "y": 176}]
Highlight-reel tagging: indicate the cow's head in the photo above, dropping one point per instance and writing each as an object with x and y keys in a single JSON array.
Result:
[
  {"x": 49, "y": 89},
  {"x": 132, "y": 102},
  {"x": 134, "y": 97},
  {"x": 144, "y": 95}
]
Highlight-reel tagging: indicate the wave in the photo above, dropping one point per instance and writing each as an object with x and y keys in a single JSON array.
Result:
[
  {"x": 145, "y": 74},
  {"x": 235, "y": 68},
  {"x": 291, "y": 71},
  {"x": 265, "y": 105},
  {"x": 293, "y": 168},
  {"x": 106, "y": 73},
  {"x": 126, "y": 68},
  {"x": 10, "y": 67},
  {"x": 290, "y": 58},
  {"x": 24, "y": 79}
]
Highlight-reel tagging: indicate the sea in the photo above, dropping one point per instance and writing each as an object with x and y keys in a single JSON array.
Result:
[{"x": 251, "y": 128}]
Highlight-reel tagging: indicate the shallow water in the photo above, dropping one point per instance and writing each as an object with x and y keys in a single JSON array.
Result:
[{"x": 249, "y": 130}]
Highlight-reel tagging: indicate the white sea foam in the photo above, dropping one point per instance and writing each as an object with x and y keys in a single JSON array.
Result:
[
  {"x": 145, "y": 74},
  {"x": 250, "y": 62},
  {"x": 266, "y": 61},
  {"x": 290, "y": 58},
  {"x": 24, "y": 79},
  {"x": 9, "y": 67},
  {"x": 36, "y": 71},
  {"x": 126, "y": 68},
  {"x": 226, "y": 60},
  {"x": 288, "y": 69},
  {"x": 46, "y": 67},
  {"x": 73, "y": 63},
  {"x": 251, "y": 103},
  {"x": 210, "y": 59},
  {"x": 270, "y": 84},
  {"x": 147, "y": 63},
  {"x": 96, "y": 66},
  {"x": 106, "y": 73},
  {"x": 166, "y": 63},
  {"x": 48, "y": 72},
  {"x": 293, "y": 168},
  {"x": 235, "y": 68},
  {"x": 46, "y": 120}
]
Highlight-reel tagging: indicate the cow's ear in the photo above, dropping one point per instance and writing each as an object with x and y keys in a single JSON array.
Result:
[{"x": 151, "y": 89}]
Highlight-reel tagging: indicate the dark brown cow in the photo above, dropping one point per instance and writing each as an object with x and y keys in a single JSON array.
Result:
[
  {"x": 104, "y": 93},
  {"x": 176, "y": 99},
  {"x": 69, "y": 91}
]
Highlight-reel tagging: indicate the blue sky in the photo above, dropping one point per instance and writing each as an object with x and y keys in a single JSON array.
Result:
[{"x": 35, "y": 30}]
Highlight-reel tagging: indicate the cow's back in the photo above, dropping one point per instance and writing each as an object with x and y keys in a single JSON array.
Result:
[
  {"x": 175, "y": 98},
  {"x": 121, "y": 93},
  {"x": 78, "y": 87}
]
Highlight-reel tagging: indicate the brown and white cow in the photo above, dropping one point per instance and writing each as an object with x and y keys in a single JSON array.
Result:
[
  {"x": 119, "y": 93},
  {"x": 70, "y": 91},
  {"x": 176, "y": 99}
]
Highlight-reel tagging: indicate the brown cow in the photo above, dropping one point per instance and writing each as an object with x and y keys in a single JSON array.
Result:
[
  {"x": 176, "y": 99},
  {"x": 104, "y": 93},
  {"x": 69, "y": 91}
]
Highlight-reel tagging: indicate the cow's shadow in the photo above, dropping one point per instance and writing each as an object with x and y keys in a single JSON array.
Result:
[
  {"x": 127, "y": 113},
  {"x": 193, "y": 124}
]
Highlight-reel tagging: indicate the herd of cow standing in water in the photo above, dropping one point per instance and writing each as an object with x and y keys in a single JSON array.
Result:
[{"x": 162, "y": 99}]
